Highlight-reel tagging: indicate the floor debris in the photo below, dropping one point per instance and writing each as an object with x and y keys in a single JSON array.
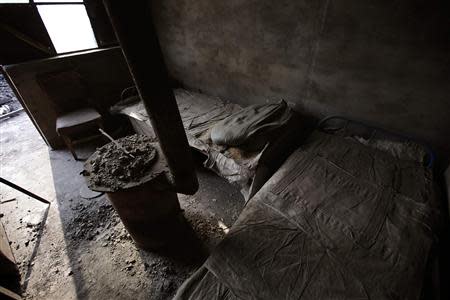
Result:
[
  {"x": 112, "y": 168},
  {"x": 85, "y": 238}
]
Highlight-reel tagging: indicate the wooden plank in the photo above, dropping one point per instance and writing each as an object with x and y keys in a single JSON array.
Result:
[
  {"x": 5, "y": 249},
  {"x": 7, "y": 294},
  {"x": 9, "y": 273}
]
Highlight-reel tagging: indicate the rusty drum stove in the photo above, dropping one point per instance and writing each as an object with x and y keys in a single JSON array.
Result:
[{"x": 149, "y": 209}]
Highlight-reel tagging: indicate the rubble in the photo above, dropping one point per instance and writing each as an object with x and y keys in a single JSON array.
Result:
[
  {"x": 6, "y": 93},
  {"x": 113, "y": 168},
  {"x": 8, "y": 101},
  {"x": 4, "y": 109},
  {"x": 32, "y": 220},
  {"x": 86, "y": 223},
  {"x": 76, "y": 231},
  {"x": 206, "y": 228}
]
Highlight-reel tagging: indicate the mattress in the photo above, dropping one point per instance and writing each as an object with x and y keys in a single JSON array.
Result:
[
  {"x": 339, "y": 220},
  {"x": 199, "y": 114}
]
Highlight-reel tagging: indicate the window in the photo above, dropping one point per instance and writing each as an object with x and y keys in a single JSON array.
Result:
[
  {"x": 67, "y": 23},
  {"x": 68, "y": 26},
  {"x": 59, "y": 1},
  {"x": 13, "y": 1}
]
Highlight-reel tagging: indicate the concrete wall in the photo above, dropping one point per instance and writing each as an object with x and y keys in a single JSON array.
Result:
[
  {"x": 381, "y": 61},
  {"x": 104, "y": 71}
]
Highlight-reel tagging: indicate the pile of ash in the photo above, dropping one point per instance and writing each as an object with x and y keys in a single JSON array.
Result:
[{"x": 113, "y": 168}]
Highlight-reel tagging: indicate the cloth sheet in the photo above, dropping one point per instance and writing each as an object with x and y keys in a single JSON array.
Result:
[
  {"x": 253, "y": 126},
  {"x": 199, "y": 114},
  {"x": 339, "y": 220}
]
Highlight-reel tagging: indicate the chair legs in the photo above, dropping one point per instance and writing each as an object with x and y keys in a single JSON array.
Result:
[{"x": 69, "y": 145}]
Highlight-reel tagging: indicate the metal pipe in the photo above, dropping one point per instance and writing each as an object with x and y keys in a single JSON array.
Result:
[{"x": 133, "y": 25}]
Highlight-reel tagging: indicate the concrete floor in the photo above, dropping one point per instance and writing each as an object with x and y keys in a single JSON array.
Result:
[{"x": 78, "y": 248}]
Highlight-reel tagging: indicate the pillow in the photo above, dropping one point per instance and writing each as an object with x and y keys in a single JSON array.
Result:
[{"x": 253, "y": 126}]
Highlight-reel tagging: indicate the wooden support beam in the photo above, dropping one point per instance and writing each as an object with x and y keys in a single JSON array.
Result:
[{"x": 134, "y": 29}]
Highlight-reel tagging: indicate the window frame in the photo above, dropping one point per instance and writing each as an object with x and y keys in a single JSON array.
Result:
[{"x": 34, "y": 5}]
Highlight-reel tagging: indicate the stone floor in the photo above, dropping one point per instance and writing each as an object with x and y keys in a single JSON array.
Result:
[{"x": 77, "y": 248}]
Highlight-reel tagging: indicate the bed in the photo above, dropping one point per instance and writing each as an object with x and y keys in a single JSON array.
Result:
[
  {"x": 199, "y": 113},
  {"x": 353, "y": 213}
]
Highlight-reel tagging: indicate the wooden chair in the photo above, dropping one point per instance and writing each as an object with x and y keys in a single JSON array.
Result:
[
  {"x": 76, "y": 122},
  {"x": 76, "y": 112}
]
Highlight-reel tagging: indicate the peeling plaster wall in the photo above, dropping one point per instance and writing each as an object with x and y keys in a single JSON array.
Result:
[{"x": 386, "y": 62}]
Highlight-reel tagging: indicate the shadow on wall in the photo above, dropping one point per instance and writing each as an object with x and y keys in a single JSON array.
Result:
[{"x": 377, "y": 61}]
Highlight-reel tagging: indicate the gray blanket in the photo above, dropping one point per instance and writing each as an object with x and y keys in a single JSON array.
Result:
[{"x": 339, "y": 220}]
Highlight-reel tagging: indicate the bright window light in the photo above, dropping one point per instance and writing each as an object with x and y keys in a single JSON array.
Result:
[
  {"x": 14, "y": 1},
  {"x": 69, "y": 27},
  {"x": 52, "y": 1}
]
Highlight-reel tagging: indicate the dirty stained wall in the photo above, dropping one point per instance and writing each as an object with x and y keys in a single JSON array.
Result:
[{"x": 381, "y": 61}]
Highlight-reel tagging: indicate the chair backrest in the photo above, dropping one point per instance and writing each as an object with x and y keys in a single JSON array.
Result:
[{"x": 65, "y": 89}]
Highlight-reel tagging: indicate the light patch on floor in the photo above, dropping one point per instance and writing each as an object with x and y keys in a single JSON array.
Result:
[{"x": 82, "y": 251}]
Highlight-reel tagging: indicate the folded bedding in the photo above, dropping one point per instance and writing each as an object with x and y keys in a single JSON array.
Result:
[{"x": 339, "y": 220}]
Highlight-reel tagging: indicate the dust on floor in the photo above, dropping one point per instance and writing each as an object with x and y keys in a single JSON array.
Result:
[{"x": 77, "y": 248}]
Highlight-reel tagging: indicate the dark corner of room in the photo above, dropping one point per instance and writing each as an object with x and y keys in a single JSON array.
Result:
[{"x": 224, "y": 149}]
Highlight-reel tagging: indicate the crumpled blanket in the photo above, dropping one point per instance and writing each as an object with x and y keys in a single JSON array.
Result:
[
  {"x": 339, "y": 220},
  {"x": 252, "y": 126}
]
